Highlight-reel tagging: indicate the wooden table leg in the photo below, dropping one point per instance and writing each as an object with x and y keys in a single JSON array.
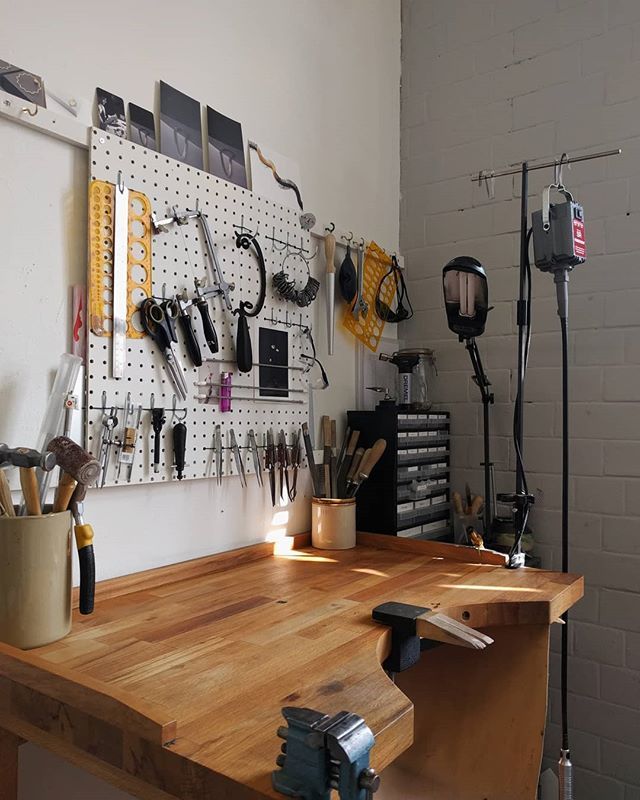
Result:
[
  {"x": 479, "y": 720},
  {"x": 9, "y": 745}
]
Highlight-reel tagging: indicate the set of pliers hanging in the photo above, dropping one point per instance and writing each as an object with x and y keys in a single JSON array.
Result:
[{"x": 281, "y": 458}]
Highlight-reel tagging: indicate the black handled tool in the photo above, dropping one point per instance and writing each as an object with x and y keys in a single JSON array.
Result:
[
  {"x": 184, "y": 320},
  {"x": 157, "y": 423},
  {"x": 179, "y": 447},
  {"x": 270, "y": 465},
  {"x": 295, "y": 463},
  {"x": 84, "y": 542},
  {"x": 201, "y": 303},
  {"x": 244, "y": 353}
]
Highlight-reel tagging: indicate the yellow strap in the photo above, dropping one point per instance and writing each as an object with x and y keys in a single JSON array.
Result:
[{"x": 84, "y": 536}]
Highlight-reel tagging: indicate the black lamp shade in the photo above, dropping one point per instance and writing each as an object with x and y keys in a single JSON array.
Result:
[{"x": 466, "y": 296}]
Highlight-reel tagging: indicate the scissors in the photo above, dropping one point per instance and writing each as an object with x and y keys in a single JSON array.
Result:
[{"x": 158, "y": 321}]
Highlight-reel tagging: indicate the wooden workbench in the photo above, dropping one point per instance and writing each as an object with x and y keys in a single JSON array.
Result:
[{"x": 173, "y": 687}]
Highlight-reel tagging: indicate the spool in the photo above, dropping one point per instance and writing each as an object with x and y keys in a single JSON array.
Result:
[
  {"x": 333, "y": 523},
  {"x": 35, "y": 579}
]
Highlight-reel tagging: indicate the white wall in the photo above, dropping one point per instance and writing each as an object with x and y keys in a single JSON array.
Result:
[
  {"x": 487, "y": 83},
  {"x": 319, "y": 81}
]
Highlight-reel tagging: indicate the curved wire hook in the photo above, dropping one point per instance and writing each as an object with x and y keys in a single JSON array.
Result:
[
  {"x": 349, "y": 239},
  {"x": 332, "y": 228},
  {"x": 177, "y": 413},
  {"x": 26, "y": 110}
]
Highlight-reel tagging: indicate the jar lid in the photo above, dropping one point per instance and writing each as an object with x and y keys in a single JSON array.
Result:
[{"x": 333, "y": 501}]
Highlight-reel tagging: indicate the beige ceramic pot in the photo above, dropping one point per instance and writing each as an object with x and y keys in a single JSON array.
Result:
[
  {"x": 35, "y": 579},
  {"x": 333, "y": 523}
]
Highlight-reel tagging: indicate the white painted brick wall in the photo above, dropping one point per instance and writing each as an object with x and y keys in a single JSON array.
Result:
[{"x": 486, "y": 83}]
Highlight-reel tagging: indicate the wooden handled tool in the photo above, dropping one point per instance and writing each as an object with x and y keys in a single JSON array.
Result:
[
  {"x": 5, "y": 495},
  {"x": 476, "y": 505},
  {"x": 458, "y": 507},
  {"x": 31, "y": 491},
  {"x": 369, "y": 460},
  {"x": 64, "y": 492},
  {"x": 329, "y": 255},
  {"x": 353, "y": 469},
  {"x": 347, "y": 458},
  {"x": 334, "y": 471},
  {"x": 310, "y": 459}
]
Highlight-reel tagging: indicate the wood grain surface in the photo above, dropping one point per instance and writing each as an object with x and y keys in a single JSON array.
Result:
[{"x": 219, "y": 645}]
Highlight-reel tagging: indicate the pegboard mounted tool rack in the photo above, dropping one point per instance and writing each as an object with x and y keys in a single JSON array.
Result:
[{"x": 179, "y": 254}]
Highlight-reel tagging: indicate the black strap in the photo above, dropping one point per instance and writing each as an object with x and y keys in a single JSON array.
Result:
[{"x": 382, "y": 309}]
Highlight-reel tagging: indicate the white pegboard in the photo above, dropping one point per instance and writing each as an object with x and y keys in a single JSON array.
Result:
[{"x": 179, "y": 255}]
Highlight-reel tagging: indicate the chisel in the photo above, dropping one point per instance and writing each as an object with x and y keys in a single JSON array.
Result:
[
  {"x": 369, "y": 460},
  {"x": 346, "y": 460},
  {"x": 353, "y": 469},
  {"x": 5, "y": 495}
]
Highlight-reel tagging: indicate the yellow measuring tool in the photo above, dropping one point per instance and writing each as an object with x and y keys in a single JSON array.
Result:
[{"x": 101, "y": 243}]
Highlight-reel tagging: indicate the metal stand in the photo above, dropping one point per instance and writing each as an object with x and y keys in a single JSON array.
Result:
[
  {"x": 521, "y": 500},
  {"x": 483, "y": 383}
]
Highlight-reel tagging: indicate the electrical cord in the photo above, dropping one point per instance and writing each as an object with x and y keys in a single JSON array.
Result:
[
  {"x": 565, "y": 526},
  {"x": 517, "y": 422}
]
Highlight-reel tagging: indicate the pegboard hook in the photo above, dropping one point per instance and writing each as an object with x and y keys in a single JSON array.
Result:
[
  {"x": 179, "y": 414},
  {"x": 332, "y": 228}
]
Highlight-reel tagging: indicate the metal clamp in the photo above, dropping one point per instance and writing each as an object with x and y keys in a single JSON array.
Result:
[{"x": 323, "y": 753}]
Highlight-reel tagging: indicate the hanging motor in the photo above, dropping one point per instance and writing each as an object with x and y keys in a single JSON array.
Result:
[{"x": 558, "y": 240}]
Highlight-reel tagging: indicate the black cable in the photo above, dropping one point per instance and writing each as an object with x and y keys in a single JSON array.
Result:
[
  {"x": 565, "y": 526},
  {"x": 517, "y": 422}
]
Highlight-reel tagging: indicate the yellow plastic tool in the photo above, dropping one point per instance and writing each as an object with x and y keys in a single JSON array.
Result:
[
  {"x": 369, "y": 329},
  {"x": 100, "y": 281}
]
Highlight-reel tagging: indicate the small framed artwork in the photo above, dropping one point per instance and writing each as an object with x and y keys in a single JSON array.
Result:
[
  {"x": 225, "y": 148},
  {"x": 22, "y": 84},
  {"x": 142, "y": 127},
  {"x": 180, "y": 127},
  {"x": 111, "y": 117}
]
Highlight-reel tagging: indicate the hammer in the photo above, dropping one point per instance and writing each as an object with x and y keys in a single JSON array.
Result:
[
  {"x": 77, "y": 465},
  {"x": 79, "y": 470},
  {"x": 27, "y": 459}
]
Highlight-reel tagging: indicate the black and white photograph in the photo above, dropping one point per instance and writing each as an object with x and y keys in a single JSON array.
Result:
[
  {"x": 225, "y": 148},
  {"x": 111, "y": 116},
  {"x": 180, "y": 127},
  {"x": 22, "y": 84},
  {"x": 142, "y": 127}
]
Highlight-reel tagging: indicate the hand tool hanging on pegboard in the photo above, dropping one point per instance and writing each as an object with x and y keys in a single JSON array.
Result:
[
  {"x": 120, "y": 275},
  {"x": 107, "y": 440},
  {"x": 270, "y": 464},
  {"x": 244, "y": 352},
  {"x": 330, "y": 284},
  {"x": 237, "y": 458},
  {"x": 179, "y": 436},
  {"x": 294, "y": 460},
  {"x": 255, "y": 453},
  {"x": 158, "y": 322},
  {"x": 157, "y": 424},
  {"x": 347, "y": 277},
  {"x": 130, "y": 425},
  {"x": 217, "y": 444}
]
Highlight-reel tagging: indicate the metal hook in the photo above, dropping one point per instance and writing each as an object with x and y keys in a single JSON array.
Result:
[
  {"x": 152, "y": 401},
  {"x": 557, "y": 170},
  {"x": 120, "y": 182},
  {"x": 348, "y": 239},
  {"x": 177, "y": 413},
  {"x": 104, "y": 402},
  {"x": 361, "y": 243},
  {"x": 26, "y": 110},
  {"x": 332, "y": 228}
]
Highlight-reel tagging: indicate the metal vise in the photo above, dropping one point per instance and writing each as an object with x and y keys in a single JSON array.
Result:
[{"x": 322, "y": 753}]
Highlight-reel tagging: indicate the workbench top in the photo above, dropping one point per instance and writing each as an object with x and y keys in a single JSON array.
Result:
[{"x": 196, "y": 660}]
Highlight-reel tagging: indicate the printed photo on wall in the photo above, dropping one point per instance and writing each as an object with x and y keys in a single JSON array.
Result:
[
  {"x": 180, "y": 126},
  {"x": 226, "y": 151},
  {"x": 22, "y": 84},
  {"x": 142, "y": 127},
  {"x": 111, "y": 117}
]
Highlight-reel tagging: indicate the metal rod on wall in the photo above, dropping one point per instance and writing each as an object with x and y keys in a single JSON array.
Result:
[{"x": 489, "y": 173}]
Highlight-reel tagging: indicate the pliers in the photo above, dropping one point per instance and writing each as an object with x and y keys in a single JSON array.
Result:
[
  {"x": 294, "y": 460},
  {"x": 270, "y": 464},
  {"x": 257, "y": 465}
]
